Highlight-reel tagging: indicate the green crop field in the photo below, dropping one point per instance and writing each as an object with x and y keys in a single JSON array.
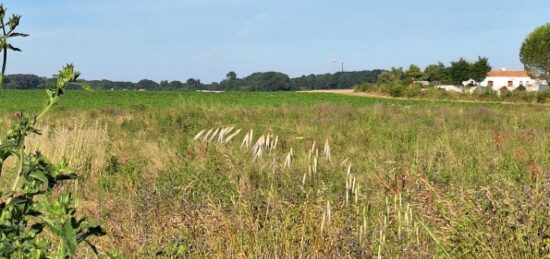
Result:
[
  {"x": 178, "y": 174},
  {"x": 32, "y": 100}
]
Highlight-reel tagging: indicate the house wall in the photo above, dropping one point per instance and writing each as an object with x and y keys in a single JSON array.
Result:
[
  {"x": 450, "y": 88},
  {"x": 499, "y": 82}
]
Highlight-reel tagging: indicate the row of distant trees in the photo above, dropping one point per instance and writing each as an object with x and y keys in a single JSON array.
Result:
[
  {"x": 458, "y": 71},
  {"x": 261, "y": 81},
  {"x": 534, "y": 54},
  {"x": 275, "y": 81}
]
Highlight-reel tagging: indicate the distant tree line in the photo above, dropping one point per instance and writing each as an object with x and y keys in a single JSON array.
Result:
[
  {"x": 260, "y": 81},
  {"x": 459, "y": 71}
]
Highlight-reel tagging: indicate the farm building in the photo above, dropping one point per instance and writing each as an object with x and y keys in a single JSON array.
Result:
[{"x": 510, "y": 80}]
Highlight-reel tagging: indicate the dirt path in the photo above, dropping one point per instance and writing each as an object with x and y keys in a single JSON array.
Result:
[{"x": 363, "y": 94}]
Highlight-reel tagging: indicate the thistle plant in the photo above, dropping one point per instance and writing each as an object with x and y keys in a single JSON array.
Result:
[
  {"x": 8, "y": 33},
  {"x": 31, "y": 214}
]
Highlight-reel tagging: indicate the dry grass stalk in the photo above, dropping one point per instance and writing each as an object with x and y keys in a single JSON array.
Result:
[
  {"x": 311, "y": 150},
  {"x": 199, "y": 135},
  {"x": 329, "y": 213},
  {"x": 363, "y": 227},
  {"x": 224, "y": 135},
  {"x": 258, "y": 148},
  {"x": 288, "y": 159},
  {"x": 274, "y": 144},
  {"x": 230, "y": 137},
  {"x": 345, "y": 161},
  {"x": 352, "y": 188},
  {"x": 265, "y": 143},
  {"x": 221, "y": 134},
  {"x": 247, "y": 141},
  {"x": 315, "y": 162},
  {"x": 71, "y": 144},
  {"x": 214, "y": 135},
  {"x": 207, "y": 135},
  {"x": 326, "y": 151}
]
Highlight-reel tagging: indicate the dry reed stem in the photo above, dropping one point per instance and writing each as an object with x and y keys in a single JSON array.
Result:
[{"x": 326, "y": 151}]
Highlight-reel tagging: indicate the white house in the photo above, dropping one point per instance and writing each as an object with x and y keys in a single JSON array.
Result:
[{"x": 498, "y": 79}]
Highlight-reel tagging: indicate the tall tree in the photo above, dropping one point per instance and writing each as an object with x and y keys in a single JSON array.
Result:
[
  {"x": 231, "y": 76},
  {"x": 193, "y": 84},
  {"x": 164, "y": 85},
  {"x": 21, "y": 81},
  {"x": 479, "y": 69},
  {"x": 147, "y": 84},
  {"x": 459, "y": 71},
  {"x": 436, "y": 73},
  {"x": 394, "y": 75},
  {"x": 535, "y": 51},
  {"x": 414, "y": 73},
  {"x": 267, "y": 81}
]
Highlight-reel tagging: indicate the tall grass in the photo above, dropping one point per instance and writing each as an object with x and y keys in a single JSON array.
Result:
[{"x": 319, "y": 180}]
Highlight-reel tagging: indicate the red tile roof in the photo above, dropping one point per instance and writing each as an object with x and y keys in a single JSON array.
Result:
[{"x": 500, "y": 73}]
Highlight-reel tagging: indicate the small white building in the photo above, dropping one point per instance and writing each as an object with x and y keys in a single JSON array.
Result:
[
  {"x": 541, "y": 85},
  {"x": 470, "y": 82},
  {"x": 422, "y": 83},
  {"x": 510, "y": 80}
]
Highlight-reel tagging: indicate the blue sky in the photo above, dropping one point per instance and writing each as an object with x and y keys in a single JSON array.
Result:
[{"x": 178, "y": 39}]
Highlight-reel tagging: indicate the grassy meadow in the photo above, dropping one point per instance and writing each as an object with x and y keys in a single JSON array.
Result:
[{"x": 169, "y": 174}]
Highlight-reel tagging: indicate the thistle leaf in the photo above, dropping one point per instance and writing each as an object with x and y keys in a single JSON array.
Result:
[
  {"x": 14, "y": 48},
  {"x": 18, "y": 34}
]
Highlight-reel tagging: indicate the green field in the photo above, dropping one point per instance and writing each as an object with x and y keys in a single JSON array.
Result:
[
  {"x": 33, "y": 100},
  {"x": 404, "y": 178}
]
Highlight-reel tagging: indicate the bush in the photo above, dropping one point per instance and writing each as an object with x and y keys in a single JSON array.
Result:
[
  {"x": 396, "y": 89},
  {"x": 414, "y": 91},
  {"x": 364, "y": 87},
  {"x": 543, "y": 96},
  {"x": 521, "y": 88},
  {"x": 505, "y": 93}
]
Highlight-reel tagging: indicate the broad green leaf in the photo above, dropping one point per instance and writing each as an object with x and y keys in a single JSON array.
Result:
[
  {"x": 39, "y": 176},
  {"x": 69, "y": 237},
  {"x": 51, "y": 224}
]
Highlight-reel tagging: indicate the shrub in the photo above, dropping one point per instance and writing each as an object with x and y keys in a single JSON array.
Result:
[
  {"x": 396, "y": 89},
  {"x": 364, "y": 87},
  {"x": 543, "y": 96},
  {"x": 414, "y": 91},
  {"x": 505, "y": 93},
  {"x": 520, "y": 88}
]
